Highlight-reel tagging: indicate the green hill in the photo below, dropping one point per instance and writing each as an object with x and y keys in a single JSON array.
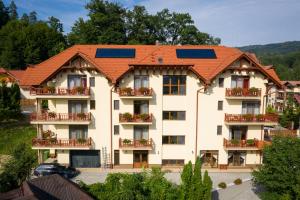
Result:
[{"x": 285, "y": 57}]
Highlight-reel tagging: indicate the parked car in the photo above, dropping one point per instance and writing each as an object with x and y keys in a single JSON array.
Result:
[{"x": 45, "y": 169}]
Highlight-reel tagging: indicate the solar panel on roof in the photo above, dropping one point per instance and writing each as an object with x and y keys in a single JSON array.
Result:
[
  {"x": 196, "y": 53},
  {"x": 115, "y": 53}
]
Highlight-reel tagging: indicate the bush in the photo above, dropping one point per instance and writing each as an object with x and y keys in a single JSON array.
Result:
[
  {"x": 238, "y": 181},
  {"x": 222, "y": 185}
]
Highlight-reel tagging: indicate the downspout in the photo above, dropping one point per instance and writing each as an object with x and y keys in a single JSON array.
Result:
[
  {"x": 111, "y": 124},
  {"x": 197, "y": 99}
]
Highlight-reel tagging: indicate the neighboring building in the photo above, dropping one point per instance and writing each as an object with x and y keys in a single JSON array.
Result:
[
  {"x": 47, "y": 187},
  {"x": 14, "y": 76},
  {"x": 151, "y": 105}
]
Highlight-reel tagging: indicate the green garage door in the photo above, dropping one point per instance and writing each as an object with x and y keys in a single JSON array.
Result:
[{"x": 85, "y": 159}]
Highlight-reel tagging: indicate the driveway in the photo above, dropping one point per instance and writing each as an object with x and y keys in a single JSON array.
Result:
[
  {"x": 245, "y": 191},
  {"x": 217, "y": 177}
]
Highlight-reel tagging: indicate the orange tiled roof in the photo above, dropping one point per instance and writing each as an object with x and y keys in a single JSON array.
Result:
[
  {"x": 17, "y": 74},
  {"x": 293, "y": 83},
  {"x": 114, "y": 68}
]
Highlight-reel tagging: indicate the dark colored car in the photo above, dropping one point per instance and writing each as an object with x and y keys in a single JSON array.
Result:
[{"x": 55, "y": 168}]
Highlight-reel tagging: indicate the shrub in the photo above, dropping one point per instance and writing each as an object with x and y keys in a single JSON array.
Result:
[
  {"x": 222, "y": 185},
  {"x": 238, "y": 181}
]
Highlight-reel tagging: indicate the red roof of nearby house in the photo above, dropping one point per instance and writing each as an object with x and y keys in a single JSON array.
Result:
[
  {"x": 293, "y": 83},
  {"x": 114, "y": 68},
  {"x": 2, "y": 70},
  {"x": 297, "y": 98},
  {"x": 17, "y": 74}
]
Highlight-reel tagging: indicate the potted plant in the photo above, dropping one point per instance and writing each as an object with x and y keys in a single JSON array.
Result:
[
  {"x": 81, "y": 116},
  {"x": 235, "y": 141},
  {"x": 126, "y": 91},
  {"x": 52, "y": 114},
  {"x": 80, "y": 89},
  {"x": 250, "y": 142},
  {"x": 81, "y": 140},
  {"x": 47, "y": 134},
  {"x": 143, "y": 141},
  {"x": 259, "y": 117},
  {"x": 253, "y": 91},
  {"x": 237, "y": 91},
  {"x": 144, "y": 91},
  {"x": 127, "y": 116},
  {"x": 49, "y": 89},
  {"x": 126, "y": 141},
  {"x": 248, "y": 117},
  {"x": 144, "y": 116}
]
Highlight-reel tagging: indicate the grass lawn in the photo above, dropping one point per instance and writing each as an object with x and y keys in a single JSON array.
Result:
[{"x": 12, "y": 133}]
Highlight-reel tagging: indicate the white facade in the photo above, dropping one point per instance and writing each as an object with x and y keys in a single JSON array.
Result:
[{"x": 199, "y": 128}]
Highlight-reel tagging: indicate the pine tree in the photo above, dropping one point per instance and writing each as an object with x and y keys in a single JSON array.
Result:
[
  {"x": 186, "y": 179},
  {"x": 13, "y": 14},
  {"x": 207, "y": 186},
  {"x": 197, "y": 186}
]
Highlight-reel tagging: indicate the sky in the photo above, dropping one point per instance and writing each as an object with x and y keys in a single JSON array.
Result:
[{"x": 236, "y": 22}]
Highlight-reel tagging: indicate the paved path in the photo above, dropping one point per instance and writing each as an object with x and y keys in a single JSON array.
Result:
[
  {"x": 217, "y": 177},
  {"x": 245, "y": 191}
]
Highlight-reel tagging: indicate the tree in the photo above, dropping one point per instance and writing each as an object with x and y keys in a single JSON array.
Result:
[
  {"x": 12, "y": 9},
  {"x": 280, "y": 172},
  {"x": 9, "y": 101},
  {"x": 18, "y": 168},
  {"x": 291, "y": 114},
  {"x": 109, "y": 23},
  {"x": 186, "y": 178},
  {"x": 23, "y": 43},
  {"x": 4, "y": 17},
  {"x": 32, "y": 17},
  {"x": 55, "y": 24}
]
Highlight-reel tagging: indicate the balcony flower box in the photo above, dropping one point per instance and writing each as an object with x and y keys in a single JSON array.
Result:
[
  {"x": 144, "y": 91},
  {"x": 126, "y": 91},
  {"x": 52, "y": 114}
]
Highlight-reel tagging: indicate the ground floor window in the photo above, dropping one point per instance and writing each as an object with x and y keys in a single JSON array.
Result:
[
  {"x": 172, "y": 162},
  {"x": 209, "y": 158},
  {"x": 236, "y": 158},
  {"x": 117, "y": 157}
]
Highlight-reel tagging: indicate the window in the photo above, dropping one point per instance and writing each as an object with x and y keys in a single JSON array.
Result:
[
  {"x": 141, "y": 132},
  {"x": 173, "y": 115},
  {"x": 116, "y": 157},
  {"x": 92, "y": 81},
  {"x": 92, "y": 104},
  {"x": 174, "y": 85},
  {"x": 219, "y": 130},
  {"x": 77, "y": 106},
  {"x": 76, "y": 81},
  {"x": 78, "y": 132},
  {"x": 172, "y": 162},
  {"x": 221, "y": 82},
  {"x": 116, "y": 105},
  {"x": 141, "y": 107},
  {"x": 220, "y": 105},
  {"x": 239, "y": 82},
  {"x": 141, "y": 81},
  {"x": 173, "y": 139},
  {"x": 116, "y": 129},
  {"x": 250, "y": 107}
]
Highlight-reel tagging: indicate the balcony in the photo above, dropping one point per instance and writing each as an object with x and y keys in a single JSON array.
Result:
[
  {"x": 131, "y": 144},
  {"x": 243, "y": 93},
  {"x": 141, "y": 93},
  {"x": 48, "y": 92},
  {"x": 250, "y": 144},
  {"x": 250, "y": 119},
  {"x": 136, "y": 119},
  {"x": 60, "y": 118},
  {"x": 39, "y": 143},
  {"x": 283, "y": 133}
]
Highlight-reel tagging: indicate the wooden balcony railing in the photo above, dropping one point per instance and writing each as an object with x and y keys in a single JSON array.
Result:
[
  {"x": 54, "y": 142},
  {"x": 135, "y": 92},
  {"x": 243, "y": 92},
  {"x": 251, "y": 118},
  {"x": 84, "y": 91},
  {"x": 241, "y": 143},
  {"x": 132, "y": 143},
  {"x": 283, "y": 133},
  {"x": 127, "y": 117},
  {"x": 52, "y": 116}
]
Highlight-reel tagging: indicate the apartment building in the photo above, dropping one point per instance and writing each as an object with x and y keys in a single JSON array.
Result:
[{"x": 132, "y": 106}]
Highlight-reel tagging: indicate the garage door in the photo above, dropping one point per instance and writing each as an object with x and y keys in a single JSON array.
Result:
[{"x": 85, "y": 159}]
